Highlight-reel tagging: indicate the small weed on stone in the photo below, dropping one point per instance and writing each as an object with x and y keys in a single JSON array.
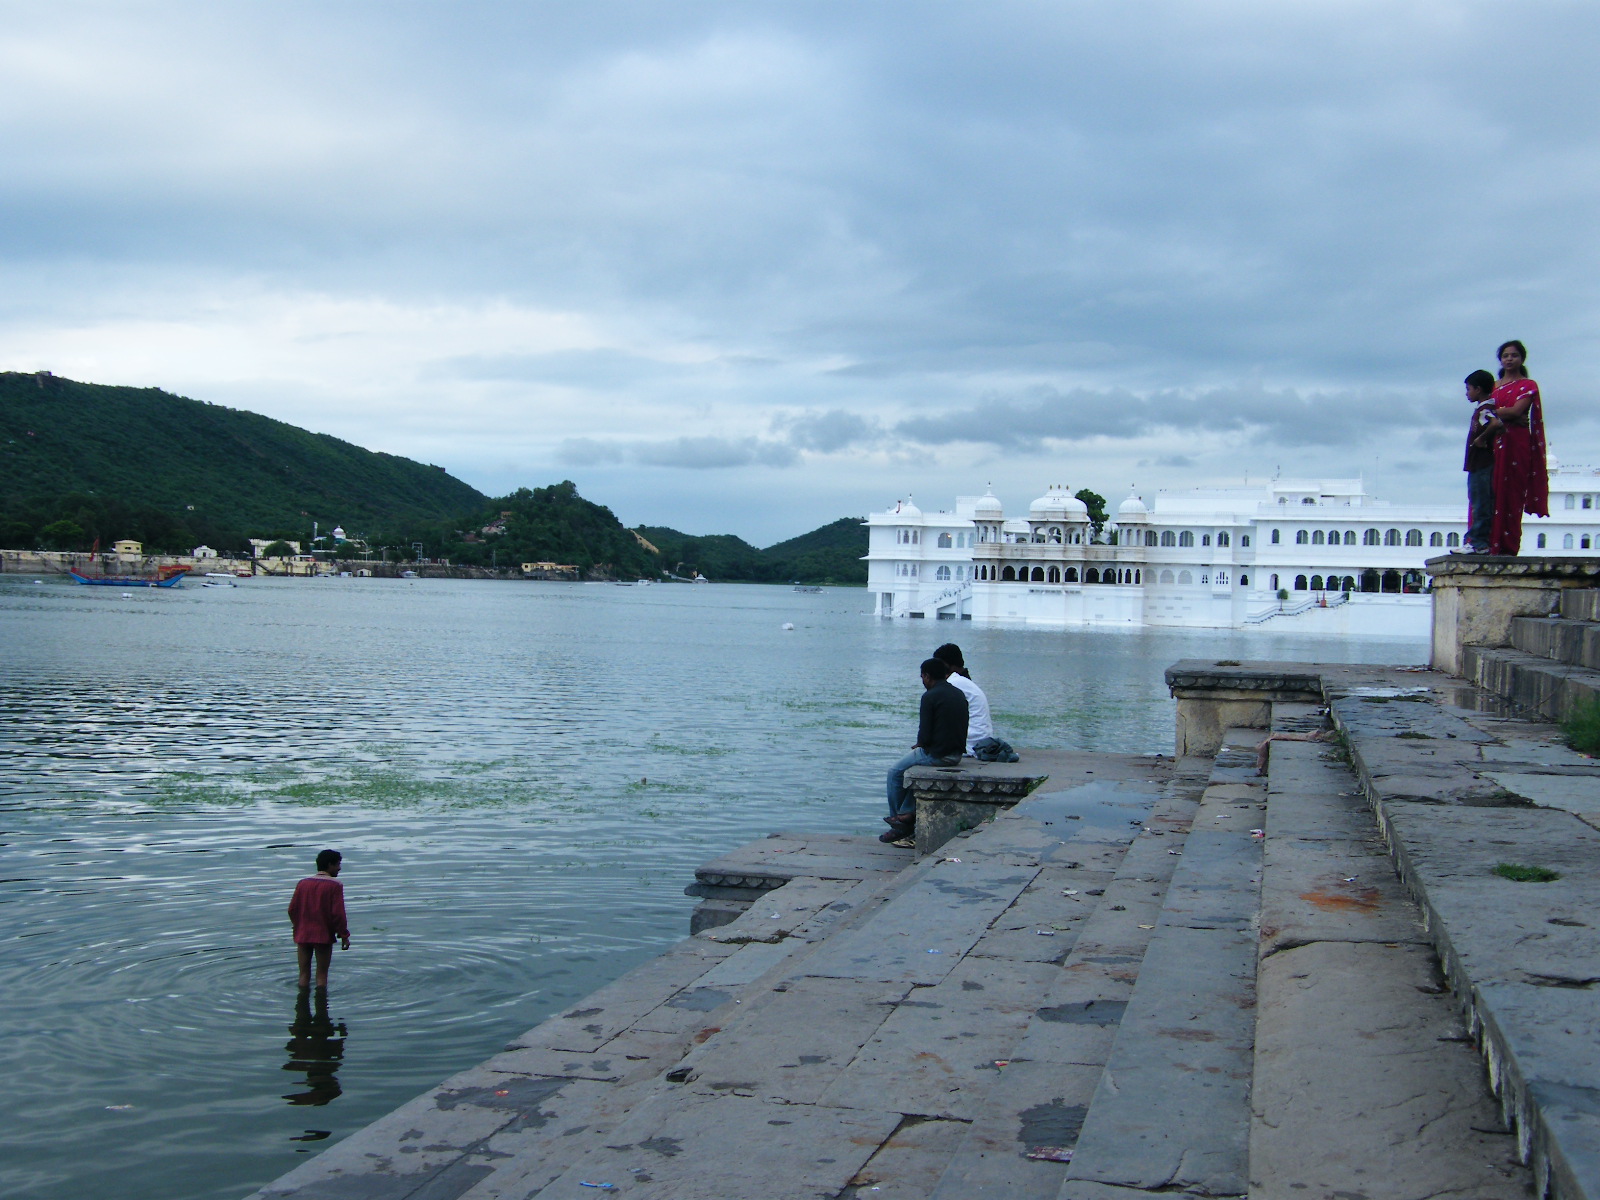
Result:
[
  {"x": 1518, "y": 873},
  {"x": 1583, "y": 728}
]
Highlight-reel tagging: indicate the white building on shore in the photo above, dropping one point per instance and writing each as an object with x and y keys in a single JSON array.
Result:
[{"x": 1203, "y": 558}]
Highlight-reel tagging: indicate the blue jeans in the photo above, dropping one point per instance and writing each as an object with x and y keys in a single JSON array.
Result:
[
  {"x": 900, "y": 800},
  {"x": 1480, "y": 507}
]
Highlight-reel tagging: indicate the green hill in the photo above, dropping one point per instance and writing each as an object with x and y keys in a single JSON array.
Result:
[
  {"x": 548, "y": 524},
  {"x": 140, "y": 462},
  {"x": 830, "y": 554}
]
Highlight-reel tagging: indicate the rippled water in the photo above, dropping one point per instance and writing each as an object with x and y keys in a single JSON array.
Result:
[{"x": 522, "y": 778}]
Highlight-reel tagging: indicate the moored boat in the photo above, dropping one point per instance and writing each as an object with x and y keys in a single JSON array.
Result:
[{"x": 164, "y": 577}]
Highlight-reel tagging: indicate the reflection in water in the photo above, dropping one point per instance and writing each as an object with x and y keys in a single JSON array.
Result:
[{"x": 316, "y": 1046}]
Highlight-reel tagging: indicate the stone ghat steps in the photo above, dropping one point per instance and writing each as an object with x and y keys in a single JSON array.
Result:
[
  {"x": 1061, "y": 1003},
  {"x": 1552, "y": 666},
  {"x": 1461, "y": 795}
]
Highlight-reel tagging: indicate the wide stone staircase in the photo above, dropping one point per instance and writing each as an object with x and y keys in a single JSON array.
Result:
[
  {"x": 1552, "y": 666},
  {"x": 1196, "y": 982}
]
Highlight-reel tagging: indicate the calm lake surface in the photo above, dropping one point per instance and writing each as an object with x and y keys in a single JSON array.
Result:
[{"x": 521, "y": 776}]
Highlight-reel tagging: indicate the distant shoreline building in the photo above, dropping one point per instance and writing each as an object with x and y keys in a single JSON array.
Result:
[{"x": 1212, "y": 558}]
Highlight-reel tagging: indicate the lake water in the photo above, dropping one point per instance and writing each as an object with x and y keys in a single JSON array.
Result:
[{"x": 522, "y": 778}]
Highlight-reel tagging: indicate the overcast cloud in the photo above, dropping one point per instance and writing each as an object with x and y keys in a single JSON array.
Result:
[{"x": 748, "y": 267}]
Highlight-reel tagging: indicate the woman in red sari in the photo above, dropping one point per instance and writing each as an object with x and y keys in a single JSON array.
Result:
[{"x": 1521, "y": 481}]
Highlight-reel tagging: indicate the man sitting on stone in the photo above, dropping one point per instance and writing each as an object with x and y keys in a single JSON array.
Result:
[
  {"x": 941, "y": 737},
  {"x": 979, "y": 725}
]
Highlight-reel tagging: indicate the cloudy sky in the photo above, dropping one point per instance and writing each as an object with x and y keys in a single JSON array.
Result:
[{"x": 747, "y": 267}]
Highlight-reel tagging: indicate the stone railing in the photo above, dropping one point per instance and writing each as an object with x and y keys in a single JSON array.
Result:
[{"x": 1214, "y": 697}]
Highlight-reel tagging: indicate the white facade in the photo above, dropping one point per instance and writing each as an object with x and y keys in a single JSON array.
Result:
[{"x": 1206, "y": 557}]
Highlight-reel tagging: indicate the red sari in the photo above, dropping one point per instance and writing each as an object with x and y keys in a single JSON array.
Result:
[{"x": 1521, "y": 480}]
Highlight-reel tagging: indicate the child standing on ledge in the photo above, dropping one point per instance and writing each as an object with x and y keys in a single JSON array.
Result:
[
  {"x": 1479, "y": 466},
  {"x": 317, "y": 913}
]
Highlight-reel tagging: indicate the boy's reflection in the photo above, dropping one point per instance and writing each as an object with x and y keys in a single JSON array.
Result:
[{"x": 316, "y": 1046}]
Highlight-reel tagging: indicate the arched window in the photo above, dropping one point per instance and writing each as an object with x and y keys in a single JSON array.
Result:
[
  {"x": 1222, "y": 577},
  {"x": 1301, "y": 537},
  {"x": 1391, "y": 581},
  {"x": 1244, "y": 540},
  {"x": 1138, "y": 577},
  {"x": 1349, "y": 583},
  {"x": 1186, "y": 538},
  {"x": 1274, "y": 583},
  {"x": 1413, "y": 537},
  {"x": 1541, "y": 540},
  {"x": 1091, "y": 576},
  {"x": 1452, "y": 539},
  {"x": 1055, "y": 534},
  {"x": 1038, "y": 575},
  {"x": 913, "y": 571},
  {"x": 1184, "y": 578},
  {"x": 1274, "y": 537},
  {"x": 1566, "y": 542},
  {"x": 1053, "y": 575},
  {"x": 945, "y": 541},
  {"x": 942, "y": 574},
  {"x": 1299, "y": 583},
  {"x": 1583, "y": 542},
  {"x": 1149, "y": 537},
  {"x": 1371, "y": 538},
  {"x": 1166, "y": 577},
  {"x": 1007, "y": 575},
  {"x": 1572, "y": 501},
  {"x": 1205, "y": 579},
  {"x": 1316, "y": 583},
  {"x": 1283, "y": 499},
  {"x": 1369, "y": 580},
  {"x": 1392, "y": 538},
  {"x": 1244, "y": 581},
  {"x": 1072, "y": 574},
  {"x": 1308, "y": 500},
  {"x": 1436, "y": 538},
  {"x": 1205, "y": 539},
  {"x": 1222, "y": 539},
  {"x": 1168, "y": 538},
  {"x": 1108, "y": 576},
  {"x": 1317, "y": 538},
  {"x": 1349, "y": 537}
]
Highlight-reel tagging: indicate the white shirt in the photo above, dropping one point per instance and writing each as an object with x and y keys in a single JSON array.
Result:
[{"x": 979, "y": 726}]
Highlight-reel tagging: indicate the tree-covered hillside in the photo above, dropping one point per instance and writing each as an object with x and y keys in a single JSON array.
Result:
[
  {"x": 140, "y": 462},
  {"x": 548, "y": 524},
  {"x": 830, "y": 554}
]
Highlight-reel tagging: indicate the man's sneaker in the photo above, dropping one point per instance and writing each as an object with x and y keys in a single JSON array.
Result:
[
  {"x": 893, "y": 837},
  {"x": 904, "y": 843}
]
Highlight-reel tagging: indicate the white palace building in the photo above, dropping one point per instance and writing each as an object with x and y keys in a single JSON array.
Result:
[{"x": 1205, "y": 558}]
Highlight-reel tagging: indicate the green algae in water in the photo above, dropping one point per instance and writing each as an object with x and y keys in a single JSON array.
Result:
[{"x": 1518, "y": 873}]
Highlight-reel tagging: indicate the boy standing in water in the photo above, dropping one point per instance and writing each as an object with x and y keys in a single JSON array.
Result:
[
  {"x": 317, "y": 913},
  {"x": 1479, "y": 464}
]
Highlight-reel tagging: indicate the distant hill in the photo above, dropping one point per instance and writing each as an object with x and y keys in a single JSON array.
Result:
[
  {"x": 174, "y": 471},
  {"x": 548, "y": 524},
  {"x": 830, "y": 554}
]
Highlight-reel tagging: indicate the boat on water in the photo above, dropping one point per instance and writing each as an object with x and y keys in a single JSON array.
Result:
[
  {"x": 805, "y": 587},
  {"x": 164, "y": 577}
]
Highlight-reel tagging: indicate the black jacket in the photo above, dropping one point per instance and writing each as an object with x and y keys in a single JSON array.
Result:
[{"x": 942, "y": 723}]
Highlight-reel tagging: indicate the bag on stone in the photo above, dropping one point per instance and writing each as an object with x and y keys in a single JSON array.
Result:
[{"x": 992, "y": 749}]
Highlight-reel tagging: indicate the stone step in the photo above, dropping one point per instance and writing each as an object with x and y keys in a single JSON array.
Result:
[
  {"x": 1560, "y": 639},
  {"x": 1521, "y": 958},
  {"x": 1171, "y": 1111},
  {"x": 1548, "y": 689},
  {"x": 1365, "y": 1082},
  {"x": 1580, "y": 604},
  {"x": 1037, "y": 1102}
]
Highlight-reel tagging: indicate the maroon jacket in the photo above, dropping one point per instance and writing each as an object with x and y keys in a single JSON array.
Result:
[{"x": 317, "y": 911}]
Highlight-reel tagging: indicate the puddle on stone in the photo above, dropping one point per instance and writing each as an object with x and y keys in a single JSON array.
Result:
[{"x": 1101, "y": 805}]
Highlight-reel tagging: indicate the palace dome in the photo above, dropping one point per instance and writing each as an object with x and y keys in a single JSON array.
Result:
[
  {"x": 1132, "y": 509},
  {"x": 988, "y": 507},
  {"x": 1060, "y": 505},
  {"x": 905, "y": 508}
]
